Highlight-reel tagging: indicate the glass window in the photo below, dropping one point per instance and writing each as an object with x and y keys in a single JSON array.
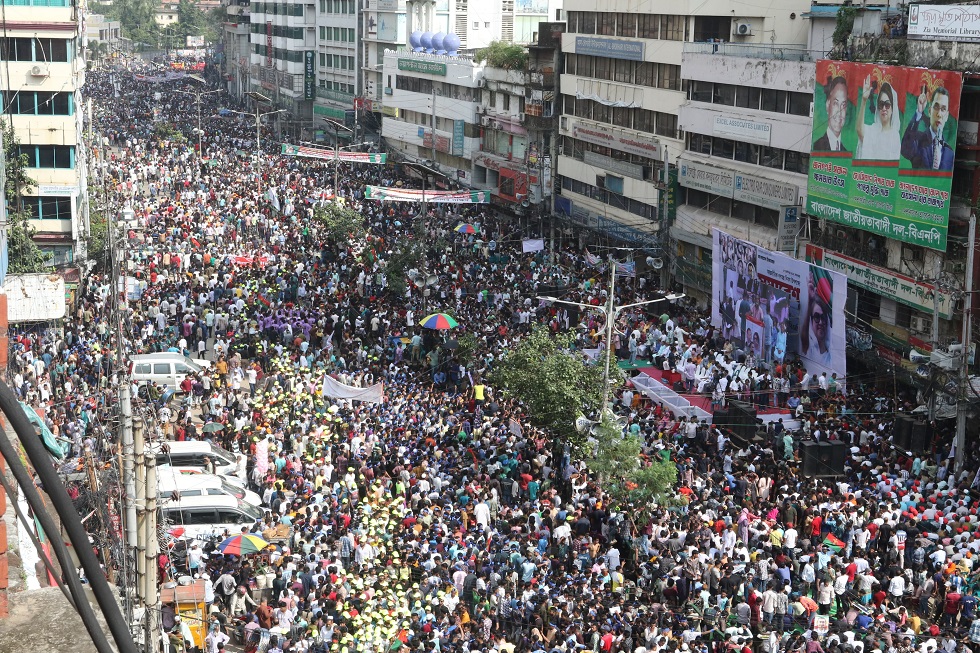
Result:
[
  {"x": 673, "y": 28},
  {"x": 700, "y": 144},
  {"x": 799, "y": 104},
  {"x": 648, "y": 26},
  {"x": 161, "y": 368},
  {"x": 774, "y": 101},
  {"x": 797, "y": 162},
  {"x": 700, "y": 91},
  {"x": 626, "y": 25},
  {"x": 724, "y": 94},
  {"x": 667, "y": 125},
  {"x": 603, "y": 68},
  {"x": 747, "y": 97},
  {"x": 624, "y": 71},
  {"x": 747, "y": 152},
  {"x": 607, "y": 24},
  {"x": 723, "y": 147},
  {"x": 645, "y": 74},
  {"x": 743, "y": 211},
  {"x": 771, "y": 157}
]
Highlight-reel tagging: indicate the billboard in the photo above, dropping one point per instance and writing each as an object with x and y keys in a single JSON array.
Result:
[
  {"x": 776, "y": 307},
  {"x": 944, "y": 22},
  {"x": 882, "y": 150}
]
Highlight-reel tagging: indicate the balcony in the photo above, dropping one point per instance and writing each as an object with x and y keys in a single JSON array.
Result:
[{"x": 779, "y": 52}]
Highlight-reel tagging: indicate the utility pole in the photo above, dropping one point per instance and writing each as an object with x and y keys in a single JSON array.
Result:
[
  {"x": 139, "y": 454},
  {"x": 959, "y": 443},
  {"x": 198, "y": 94},
  {"x": 936, "y": 283},
  {"x": 151, "y": 552}
]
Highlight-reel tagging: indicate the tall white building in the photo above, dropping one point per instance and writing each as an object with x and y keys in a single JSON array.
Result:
[
  {"x": 44, "y": 68},
  {"x": 388, "y": 24},
  {"x": 622, "y": 90}
]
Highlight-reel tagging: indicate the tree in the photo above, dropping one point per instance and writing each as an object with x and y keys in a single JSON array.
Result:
[
  {"x": 341, "y": 223},
  {"x": 23, "y": 254},
  {"x": 500, "y": 54},
  {"x": 624, "y": 474},
  {"x": 553, "y": 381}
]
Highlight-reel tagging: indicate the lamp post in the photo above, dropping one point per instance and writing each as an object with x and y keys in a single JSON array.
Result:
[
  {"x": 259, "y": 98},
  {"x": 611, "y": 312},
  {"x": 198, "y": 94},
  {"x": 336, "y": 150}
]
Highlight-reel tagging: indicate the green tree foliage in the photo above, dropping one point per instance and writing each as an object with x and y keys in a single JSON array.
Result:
[
  {"x": 23, "y": 254},
  {"x": 617, "y": 461},
  {"x": 845, "y": 25},
  {"x": 500, "y": 54},
  {"x": 342, "y": 224},
  {"x": 555, "y": 382},
  {"x": 137, "y": 17}
]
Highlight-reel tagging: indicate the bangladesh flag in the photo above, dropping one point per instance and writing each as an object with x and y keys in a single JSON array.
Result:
[{"x": 834, "y": 542}]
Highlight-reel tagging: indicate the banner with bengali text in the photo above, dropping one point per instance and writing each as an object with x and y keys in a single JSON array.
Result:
[
  {"x": 331, "y": 155},
  {"x": 433, "y": 196}
]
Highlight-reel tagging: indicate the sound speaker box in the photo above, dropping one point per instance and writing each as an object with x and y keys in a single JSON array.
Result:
[
  {"x": 823, "y": 458},
  {"x": 921, "y": 436},
  {"x": 810, "y": 458},
  {"x": 902, "y": 433}
]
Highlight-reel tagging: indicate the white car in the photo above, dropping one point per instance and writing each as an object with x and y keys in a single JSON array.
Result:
[
  {"x": 201, "y": 516},
  {"x": 171, "y": 481}
]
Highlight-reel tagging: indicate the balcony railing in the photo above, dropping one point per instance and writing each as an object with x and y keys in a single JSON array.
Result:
[
  {"x": 851, "y": 247},
  {"x": 780, "y": 52}
]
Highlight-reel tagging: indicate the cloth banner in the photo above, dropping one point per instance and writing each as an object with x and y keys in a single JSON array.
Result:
[
  {"x": 592, "y": 260},
  {"x": 373, "y": 394},
  {"x": 532, "y": 245},
  {"x": 273, "y": 197},
  {"x": 262, "y": 457},
  {"x": 332, "y": 155},
  {"x": 155, "y": 79},
  {"x": 433, "y": 196},
  {"x": 626, "y": 269}
]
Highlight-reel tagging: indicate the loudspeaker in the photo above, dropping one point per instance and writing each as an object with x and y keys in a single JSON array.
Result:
[
  {"x": 838, "y": 457},
  {"x": 902, "y": 433},
  {"x": 921, "y": 437},
  {"x": 810, "y": 458},
  {"x": 823, "y": 458},
  {"x": 721, "y": 418}
]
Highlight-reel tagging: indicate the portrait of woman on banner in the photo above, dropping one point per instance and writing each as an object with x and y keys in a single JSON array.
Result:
[
  {"x": 817, "y": 321},
  {"x": 881, "y": 140}
]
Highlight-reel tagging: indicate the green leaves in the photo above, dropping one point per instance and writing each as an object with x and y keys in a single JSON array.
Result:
[
  {"x": 500, "y": 54},
  {"x": 623, "y": 472},
  {"x": 342, "y": 224},
  {"x": 23, "y": 254},
  {"x": 555, "y": 382}
]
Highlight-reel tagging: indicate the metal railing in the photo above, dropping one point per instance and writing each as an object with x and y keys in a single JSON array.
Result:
[{"x": 780, "y": 52}]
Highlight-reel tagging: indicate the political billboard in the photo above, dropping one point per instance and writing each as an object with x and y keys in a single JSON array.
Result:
[
  {"x": 775, "y": 307},
  {"x": 883, "y": 144}
]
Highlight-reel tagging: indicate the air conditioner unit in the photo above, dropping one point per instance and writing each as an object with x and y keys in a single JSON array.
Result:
[
  {"x": 521, "y": 115},
  {"x": 742, "y": 28},
  {"x": 481, "y": 111},
  {"x": 919, "y": 324},
  {"x": 955, "y": 267},
  {"x": 480, "y": 83},
  {"x": 40, "y": 71}
]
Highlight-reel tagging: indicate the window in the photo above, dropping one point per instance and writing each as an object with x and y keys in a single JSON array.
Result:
[
  {"x": 771, "y": 157},
  {"x": 161, "y": 368},
  {"x": 724, "y": 94},
  {"x": 607, "y": 24},
  {"x": 747, "y": 152},
  {"x": 672, "y": 28},
  {"x": 667, "y": 125},
  {"x": 797, "y": 162},
  {"x": 723, "y": 147},
  {"x": 623, "y": 71},
  {"x": 626, "y": 25},
  {"x": 774, "y": 101},
  {"x": 646, "y": 73},
  {"x": 323, "y": 33},
  {"x": 323, "y": 60},
  {"x": 799, "y": 104},
  {"x": 142, "y": 368},
  {"x": 49, "y": 156},
  {"x": 648, "y": 26},
  {"x": 603, "y": 68},
  {"x": 700, "y": 91},
  {"x": 700, "y": 144},
  {"x": 748, "y": 97}
]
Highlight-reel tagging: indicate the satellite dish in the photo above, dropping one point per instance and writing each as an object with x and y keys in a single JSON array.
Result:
[{"x": 656, "y": 263}]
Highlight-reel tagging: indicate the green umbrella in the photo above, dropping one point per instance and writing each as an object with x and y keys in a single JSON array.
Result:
[{"x": 211, "y": 427}]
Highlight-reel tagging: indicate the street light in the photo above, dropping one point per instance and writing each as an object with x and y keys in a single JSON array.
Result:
[
  {"x": 611, "y": 312},
  {"x": 200, "y": 150},
  {"x": 336, "y": 150},
  {"x": 259, "y": 98}
]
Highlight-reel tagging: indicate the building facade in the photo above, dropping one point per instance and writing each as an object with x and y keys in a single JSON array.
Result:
[
  {"x": 43, "y": 48},
  {"x": 621, "y": 91},
  {"x": 283, "y": 39}
]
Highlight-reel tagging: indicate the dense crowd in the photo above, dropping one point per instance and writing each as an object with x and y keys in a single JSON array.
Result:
[{"x": 441, "y": 518}]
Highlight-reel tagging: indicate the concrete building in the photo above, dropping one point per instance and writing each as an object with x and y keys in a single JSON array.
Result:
[
  {"x": 237, "y": 48},
  {"x": 44, "y": 51},
  {"x": 283, "y": 54},
  {"x": 433, "y": 93},
  {"x": 622, "y": 90},
  {"x": 746, "y": 151},
  {"x": 338, "y": 63},
  {"x": 387, "y": 25}
]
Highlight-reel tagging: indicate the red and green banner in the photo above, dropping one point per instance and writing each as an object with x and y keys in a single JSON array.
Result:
[
  {"x": 882, "y": 149},
  {"x": 332, "y": 155},
  {"x": 435, "y": 196}
]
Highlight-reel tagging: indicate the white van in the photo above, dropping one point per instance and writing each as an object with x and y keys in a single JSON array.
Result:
[
  {"x": 190, "y": 454},
  {"x": 208, "y": 515},
  {"x": 165, "y": 368},
  {"x": 170, "y": 481}
]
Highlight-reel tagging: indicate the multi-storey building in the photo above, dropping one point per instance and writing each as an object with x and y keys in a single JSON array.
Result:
[
  {"x": 746, "y": 151},
  {"x": 283, "y": 54},
  {"x": 43, "y": 50},
  {"x": 621, "y": 91}
]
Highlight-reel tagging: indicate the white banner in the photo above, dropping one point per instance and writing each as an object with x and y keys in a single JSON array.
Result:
[
  {"x": 707, "y": 178},
  {"x": 532, "y": 245},
  {"x": 373, "y": 394},
  {"x": 775, "y": 306},
  {"x": 747, "y": 131},
  {"x": 945, "y": 22}
]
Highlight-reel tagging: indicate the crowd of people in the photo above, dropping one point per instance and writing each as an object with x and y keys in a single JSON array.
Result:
[{"x": 442, "y": 518}]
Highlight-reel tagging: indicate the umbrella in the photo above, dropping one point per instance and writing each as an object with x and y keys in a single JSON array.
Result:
[
  {"x": 242, "y": 545},
  {"x": 452, "y": 343},
  {"x": 211, "y": 427},
  {"x": 439, "y": 321},
  {"x": 466, "y": 229}
]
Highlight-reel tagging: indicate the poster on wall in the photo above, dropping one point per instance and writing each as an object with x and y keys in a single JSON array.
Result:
[
  {"x": 776, "y": 308},
  {"x": 883, "y": 145}
]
